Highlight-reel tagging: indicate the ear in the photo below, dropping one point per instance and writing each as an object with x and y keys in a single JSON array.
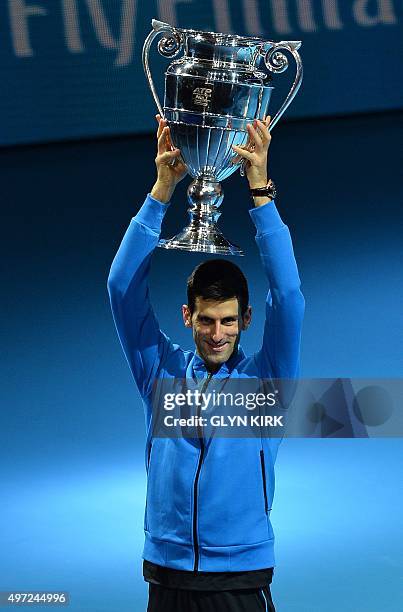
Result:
[
  {"x": 187, "y": 317},
  {"x": 246, "y": 320}
]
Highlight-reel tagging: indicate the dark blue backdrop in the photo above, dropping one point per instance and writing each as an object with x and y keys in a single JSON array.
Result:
[
  {"x": 72, "y": 427},
  {"x": 72, "y": 68}
]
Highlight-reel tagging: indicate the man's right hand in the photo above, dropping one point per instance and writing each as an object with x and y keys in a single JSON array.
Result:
[{"x": 170, "y": 167}]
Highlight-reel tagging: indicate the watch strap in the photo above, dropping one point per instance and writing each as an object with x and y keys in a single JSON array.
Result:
[{"x": 268, "y": 190}]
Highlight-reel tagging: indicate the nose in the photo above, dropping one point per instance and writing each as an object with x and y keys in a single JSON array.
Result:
[{"x": 218, "y": 333}]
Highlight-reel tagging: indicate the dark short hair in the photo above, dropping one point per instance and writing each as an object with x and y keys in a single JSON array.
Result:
[{"x": 218, "y": 279}]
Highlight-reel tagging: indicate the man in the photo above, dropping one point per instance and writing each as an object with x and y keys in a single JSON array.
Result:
[{"x": 209, "y": 541}]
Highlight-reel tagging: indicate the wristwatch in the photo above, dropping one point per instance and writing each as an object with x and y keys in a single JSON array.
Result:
[{"x": 269, "y": 190}]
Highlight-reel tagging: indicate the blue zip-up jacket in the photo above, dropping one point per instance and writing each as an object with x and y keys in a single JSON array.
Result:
[{"x": 208, "y": 503}]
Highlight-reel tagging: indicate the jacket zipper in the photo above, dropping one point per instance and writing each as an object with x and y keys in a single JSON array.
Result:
[
  {"x": 266, "y": 506},
  {"x": 148, "y": 471},
  {"x": 195, "y": 485},
  {"x": 149, "y": 455}
]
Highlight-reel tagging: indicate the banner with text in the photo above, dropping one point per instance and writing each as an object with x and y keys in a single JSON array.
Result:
[
  {"x": 276, "y": 408},
  {"x": 73, "y": 69}
]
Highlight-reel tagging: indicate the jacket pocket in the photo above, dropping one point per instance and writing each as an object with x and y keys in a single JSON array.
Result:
[{"x": 262, "y": 465}]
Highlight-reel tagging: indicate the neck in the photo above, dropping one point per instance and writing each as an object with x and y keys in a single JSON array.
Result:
[{"x": 212, "y": 368}]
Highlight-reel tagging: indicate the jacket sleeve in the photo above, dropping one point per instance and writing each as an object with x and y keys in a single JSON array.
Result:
[
  {"x": 285, "y": 304},
  {"x": 144, "y": 344}
]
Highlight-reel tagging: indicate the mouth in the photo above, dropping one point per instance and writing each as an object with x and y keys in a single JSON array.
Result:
[{"x": 217, "y": 348}]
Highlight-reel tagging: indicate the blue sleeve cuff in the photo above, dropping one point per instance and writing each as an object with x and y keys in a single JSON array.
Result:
[
  {"x": 266, "y": 218},
  {"x": 152, "y": 213}
]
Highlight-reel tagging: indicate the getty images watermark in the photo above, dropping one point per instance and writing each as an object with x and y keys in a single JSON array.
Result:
[
  {"x": 205, "y": 402},
  {"x": 251, "y": 407}
]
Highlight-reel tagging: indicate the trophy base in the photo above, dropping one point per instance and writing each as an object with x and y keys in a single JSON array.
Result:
[
  {"x": 202, "y": 235},
  {"x": 200, "y": 241}
]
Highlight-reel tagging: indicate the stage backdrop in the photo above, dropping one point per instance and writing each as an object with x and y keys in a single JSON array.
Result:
[{"x": 72, "y": 68}]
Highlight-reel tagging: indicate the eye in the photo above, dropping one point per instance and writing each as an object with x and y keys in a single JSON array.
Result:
[
  {"x": 229, "y": 321},
  {"x": 205, "y": 320}
]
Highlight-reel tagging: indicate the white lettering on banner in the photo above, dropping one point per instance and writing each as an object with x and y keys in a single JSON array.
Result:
[
  {"x": 331, "y": 14},
  {"x": 167, "y": 10},
  {"x": 101, "y": 27},
  {"x": 385, "y": 13},
  {"x": 72, "y": 26},
  {"x": 19, "y": 13},
  {"x": 125, "y": 43},
  {"x": 127, "y": 33},
  {"x": 222, "y": 16},
  {"x": 281, "y": 22},
  {"x": 305, "y": 16},
  {"x": 287, "y": 18},
  {"x": 253, "y": 22}
]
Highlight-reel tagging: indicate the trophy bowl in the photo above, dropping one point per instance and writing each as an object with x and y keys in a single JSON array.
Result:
[{"x": 212, "y": 92}]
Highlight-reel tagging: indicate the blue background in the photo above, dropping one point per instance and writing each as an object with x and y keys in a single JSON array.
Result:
[
  {"x": 71, "y": 422},
  {"x": 72, "y": 427}
]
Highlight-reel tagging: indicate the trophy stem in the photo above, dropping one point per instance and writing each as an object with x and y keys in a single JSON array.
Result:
[{"x": 205, "y": 196}]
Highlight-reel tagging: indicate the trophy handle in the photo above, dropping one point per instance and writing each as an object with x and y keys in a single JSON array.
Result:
[
  {"x": 277, "y": 62},
  {"x": 169, "y": 46}
]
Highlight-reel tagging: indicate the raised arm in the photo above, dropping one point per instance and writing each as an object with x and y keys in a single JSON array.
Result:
[
  {"x": 144, "y": 344},
  {"x": 279, "y": 354},
  {"x": 285, "y": 304}
]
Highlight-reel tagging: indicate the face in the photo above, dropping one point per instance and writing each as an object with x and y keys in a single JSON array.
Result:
[{"x": 216, "y": 329}]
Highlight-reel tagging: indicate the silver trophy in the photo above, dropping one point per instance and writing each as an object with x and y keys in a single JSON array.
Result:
[{"x": 211, "y": 92}]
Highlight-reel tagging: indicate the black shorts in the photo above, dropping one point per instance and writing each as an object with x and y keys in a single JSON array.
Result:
[{"x": 164, "y": 599}]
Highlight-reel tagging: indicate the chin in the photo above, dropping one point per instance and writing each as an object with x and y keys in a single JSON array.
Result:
[{"x": 220, "y": 358}]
